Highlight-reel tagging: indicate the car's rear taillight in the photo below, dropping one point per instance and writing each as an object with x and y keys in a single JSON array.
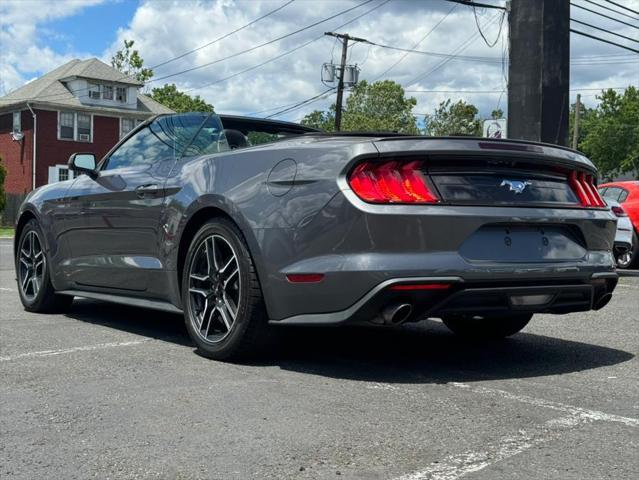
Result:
[
  {"x": 391, "y": 182},
  {"x": 584, "y": 187},
  {"x": 619, "y": 211}
]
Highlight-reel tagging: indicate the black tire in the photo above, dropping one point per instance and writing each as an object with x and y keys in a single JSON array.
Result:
[
  {"x": 487, "y": 327},
  {"x": 46, "y": 300},
  {"x": 633, "y": 260},
  {"x": 249, "y": 331}
]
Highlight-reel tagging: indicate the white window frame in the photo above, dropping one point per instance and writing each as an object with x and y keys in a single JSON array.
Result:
[
  {"x": 94, "y": 89},
  {"x": 104, "y": 90},
  {"x": 136, "y": 122},
  {"x": 17, "y": 125},
  {"x": 54, "y": 173},
  {"x": 126, "y": 94},
  {"x": 75, "y": 127}
]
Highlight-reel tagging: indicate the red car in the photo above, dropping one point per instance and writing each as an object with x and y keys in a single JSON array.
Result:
[{"x": 627, "y": 194}]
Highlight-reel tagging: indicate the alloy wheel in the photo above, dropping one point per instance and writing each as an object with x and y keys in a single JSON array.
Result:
[
  {"x": 32, "y": 263},
  {"x": 214, "y": 289}
]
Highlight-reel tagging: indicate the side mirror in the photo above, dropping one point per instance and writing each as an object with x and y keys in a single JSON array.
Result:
[{"x": 83, "y": 163}]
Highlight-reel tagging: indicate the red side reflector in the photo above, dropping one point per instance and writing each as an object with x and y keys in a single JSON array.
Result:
[
  {"x": 305, "y": 277},
  {"x": 420, "y": 286},
  {"x": 391, "y": 182}
]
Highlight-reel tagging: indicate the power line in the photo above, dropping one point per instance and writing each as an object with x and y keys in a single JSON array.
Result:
[
  {"x": 416, "y": 44},
  {"x": 288, "y": 52},
  {"x": 603, "y": 7},
  {"x": 237, "y": 54},
  {"x": 301, "y": 104},
  {"x": 453, "y": 54},
  {"x": 466, "y": 58},
  {"x": 501, "y": 23},
  {"x": 603, "y": 30},
  {"x": 603, "y": 15},
  {"x": 223, "y": 36},
  {"x": 475, "y": 4},
  {"x": 602, "y": 40},
  {"x": 622, "y": 6}
]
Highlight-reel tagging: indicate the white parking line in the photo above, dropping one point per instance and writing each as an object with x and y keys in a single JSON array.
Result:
[
  {"x": 48, "y": 353},
  {"x": 540, "y": 402},
  {"x": 3, "y": 289},
  {"x": 623, "y": 285},
  {"x": 456, "y": 466}
]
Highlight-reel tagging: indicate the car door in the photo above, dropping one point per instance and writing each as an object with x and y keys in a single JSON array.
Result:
[{"x": 114, "y": 238}]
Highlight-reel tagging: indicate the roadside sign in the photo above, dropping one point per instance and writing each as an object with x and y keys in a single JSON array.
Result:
[{"x": 495, "y": 128}]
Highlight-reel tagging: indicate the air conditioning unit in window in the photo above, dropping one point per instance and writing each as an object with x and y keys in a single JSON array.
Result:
[{"x": 84, "y": 137}]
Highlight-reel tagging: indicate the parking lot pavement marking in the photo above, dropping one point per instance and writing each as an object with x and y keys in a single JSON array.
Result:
[
  {"x": 625, "y": 285},
  {"x": 561, "y": 407},
  {"x": 3, "y": 289},
  {"x": 62, "y": 351},
  {"x": 458, "y": 465}
]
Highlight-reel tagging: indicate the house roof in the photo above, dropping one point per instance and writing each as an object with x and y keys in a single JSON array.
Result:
[{"x": 50, "y": 89}]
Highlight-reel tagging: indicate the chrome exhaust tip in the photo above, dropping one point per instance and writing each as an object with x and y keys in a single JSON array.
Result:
[
  {"x": 602, "y": 301},
  {"x": 397, "y": 313}
]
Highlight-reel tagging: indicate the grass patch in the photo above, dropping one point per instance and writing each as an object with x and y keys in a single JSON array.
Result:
[{"x": 6, "y": 231}]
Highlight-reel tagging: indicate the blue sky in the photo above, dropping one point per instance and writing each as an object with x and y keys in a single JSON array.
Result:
[
  {"x": 36, "y": 36},
  {"x": 93, "y": 29}
]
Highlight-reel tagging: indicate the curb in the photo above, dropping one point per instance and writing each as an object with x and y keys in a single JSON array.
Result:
[{"x": 628, "y": 273}]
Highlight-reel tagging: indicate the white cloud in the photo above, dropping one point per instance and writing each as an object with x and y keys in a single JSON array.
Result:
[
  {"x": 165, "y": 29},
  {"x": 21, "y": 50}
]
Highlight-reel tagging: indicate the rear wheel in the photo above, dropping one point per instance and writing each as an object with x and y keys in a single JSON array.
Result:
[
  {"x": 33, "y": 273},
  {"x": 631, "y": 257},
  {"x": 223, "y": 304},
  {"x": 487, "y": 327}
]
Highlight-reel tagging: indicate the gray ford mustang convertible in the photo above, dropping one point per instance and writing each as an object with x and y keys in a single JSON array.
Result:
[{"x": 309, "y": 228}]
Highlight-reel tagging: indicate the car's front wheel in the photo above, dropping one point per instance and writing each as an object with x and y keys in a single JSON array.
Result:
[
  {"x": 481, "y": 327},
  {"x": 33, "y": 273},
  {"x": 222, "y": 299}
]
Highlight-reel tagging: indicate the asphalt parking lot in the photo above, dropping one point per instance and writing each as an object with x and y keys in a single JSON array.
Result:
[{"x": 113, "y": 392}]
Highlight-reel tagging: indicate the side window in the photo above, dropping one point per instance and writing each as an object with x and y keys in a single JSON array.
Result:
[
  {"x": 624, "y": 195},
  {"x": 613, "y": 193},
  {"x": 150, "y": 145},
  {"x": 210, "y": 139}
]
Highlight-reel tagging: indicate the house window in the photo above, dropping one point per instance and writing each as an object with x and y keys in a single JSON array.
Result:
[
  {"x": 126, "y": 125},
  {"x": 17, "y": 122},
  {"x": 84, "y": 127},
  {"x": 120, "y": 94},
  {"x": 107, "y": 92},
  {"x": 67, "y": 122},
  {"x": 60, "y": 173},
  {"x": 75, "y": 126},
  {"x": 94, "y": 91}
]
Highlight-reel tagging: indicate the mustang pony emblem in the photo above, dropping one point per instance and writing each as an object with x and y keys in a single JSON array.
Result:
[{"x": 516, "y": 186}]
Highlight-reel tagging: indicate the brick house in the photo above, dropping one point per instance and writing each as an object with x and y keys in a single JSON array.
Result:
[{"x": 81, "y": 106}]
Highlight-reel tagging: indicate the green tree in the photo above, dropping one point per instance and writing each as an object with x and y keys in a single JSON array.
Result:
[
  {"x": 380, "y": 106},
  {"x": 129, "y": 62},
  {"x": 454, "y": 119},
  {"x": 324, "y": 120},
  {"x": 171, "y": 97},
  {"x": 497, "y": 114},
  {"x": 611, "y": 132}
]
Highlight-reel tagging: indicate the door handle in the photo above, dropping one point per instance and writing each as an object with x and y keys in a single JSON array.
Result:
[{"x": 148, "y": 189}]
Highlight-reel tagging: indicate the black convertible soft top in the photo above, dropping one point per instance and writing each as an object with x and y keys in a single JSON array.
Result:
[{"x": 251, "y": 124}]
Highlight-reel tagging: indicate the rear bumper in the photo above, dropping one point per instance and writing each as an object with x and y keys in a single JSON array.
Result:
[{"x": 470, "y": 298}]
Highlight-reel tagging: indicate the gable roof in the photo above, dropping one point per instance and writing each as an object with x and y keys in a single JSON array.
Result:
[{"x": 49, "y": 89}]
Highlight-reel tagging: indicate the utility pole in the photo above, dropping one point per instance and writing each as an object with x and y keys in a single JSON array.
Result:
[
  {"x": 344, "y": 37},
  {"x": 538, "y": 99},
  {"x": 575, "y": 133}
]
